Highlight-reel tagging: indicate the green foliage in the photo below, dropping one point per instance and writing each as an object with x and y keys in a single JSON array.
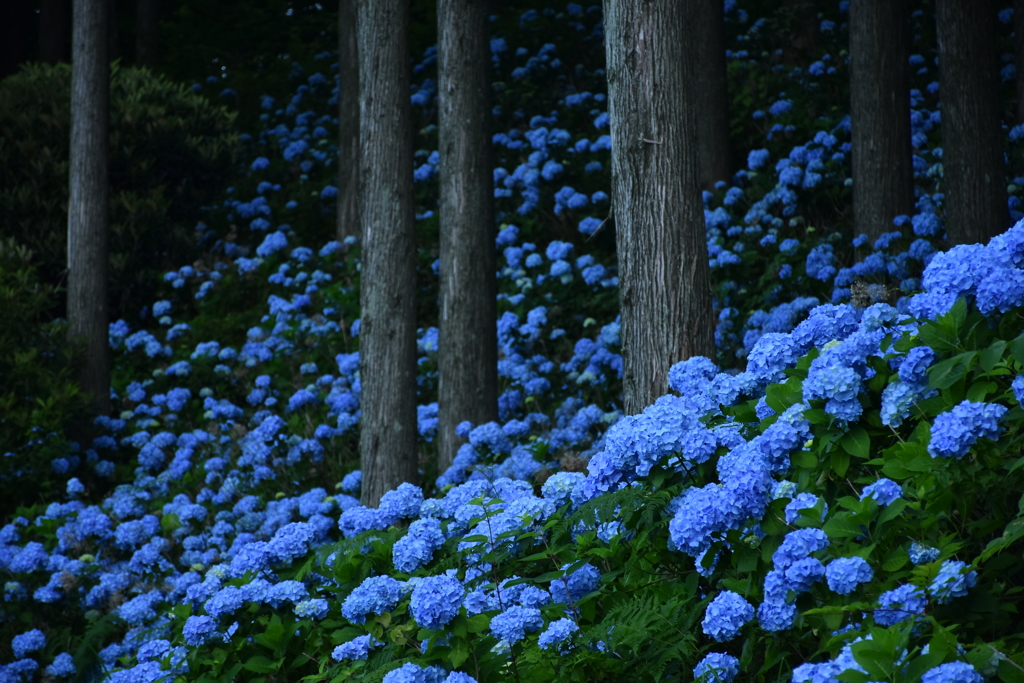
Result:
[
  {"x": 37, "y": 394},
  {"x": 171, "y": 152}
]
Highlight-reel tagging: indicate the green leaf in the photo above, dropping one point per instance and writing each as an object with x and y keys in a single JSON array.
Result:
[
  {"x": 896, "y": 559},
  {"x": 980, "y": 390},
  {"x": 478, "y": 623},
  {"x": 843, "y": 527},
  {"x": 779, "y": 397},
  {"x": 1017, "y": 349},
  {"x": 873, "y": 657},
  {"x": 991, "y": 356},
  {"x": 840, "y": 462},
  {"x": 857, "y": 443},
  {"x": 459, "y": 652},
  {"x": 945, "y": 374},
  {"x": 262, "y": 665},
  {"x": 1013, "y": 532},
  {"x": 892, "y": 511}
]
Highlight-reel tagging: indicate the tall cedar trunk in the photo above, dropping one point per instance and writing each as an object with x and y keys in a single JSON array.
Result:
[
  {"x": 468, "y": 340},
  {"x": 89, "y": 198},
  {"x": 664, "y": 293},
  {"x": 1018, "y": 54},
  {"x": 713, "y": 95},
  {"x": 147, "y": 25},
  {"x": 972, "y": 137},
  {"x": 387, "y": 363},
  {"x": 883, "y": 178},
  {"x": 54, "y": 25},
  {"x": 348, "y": 122}
]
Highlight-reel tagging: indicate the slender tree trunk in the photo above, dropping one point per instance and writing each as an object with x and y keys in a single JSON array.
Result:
[
  {"x": 147, "y": 32},
  {"x": 88, "y": 204},
  {"x": 713, "y": 95},
  {"x": 468, "y": 340},
  {"x": 387, "y": 439},
  {"x": 883, "y": 178},
  {"x": 348, "y": 122},
  {"x": 664, "y": 291},
  {"x": 54, "y": 25},
  {"x": 972, "y": 137}
]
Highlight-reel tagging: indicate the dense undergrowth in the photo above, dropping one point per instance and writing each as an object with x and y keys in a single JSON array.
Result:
[{"x": 840, "y": 491}]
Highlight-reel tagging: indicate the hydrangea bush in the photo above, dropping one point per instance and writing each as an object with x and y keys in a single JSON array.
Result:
[{"x": 834, "y": 497}]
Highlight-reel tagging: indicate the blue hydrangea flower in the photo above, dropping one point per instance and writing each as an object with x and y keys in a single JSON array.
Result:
[
  {"x": 436, "y": 600},
  {"x": 952, "y": 581},
  {"x": 513, "y": 624},
  {"x": 375, "y": 595},
  {"x": 1018, "y": 388},
  {"x": 412, "y": 673},
  {"x": 922, "y": 554},
  {"x": 357, "y": 648},
  {"x": 726, "y": 615},
  {"x": 584, "y": 580},
  {"x": 416, "y": 549},
  {"x": 956, "y": 430},
  {"x": 885, "y": 491},
  {"x": 401, "y": 503},
  {"x": 63, "y": 665},
  {"x": 716, "y": 667},
  {"x": 29, "y": 641},
  {"x": 900, "y": 604},
  {"x": 198, "y": 629},
  {"x": 556, "y": 635},
  {"x": 776, "y": 614},
  {"x": 952, "y": 672},
  {"x": 914, "y": 368},
  {"x": 802, "y": 501},
  {"x": 844, "y": 574},
  {"x": 315, "y": 608}
]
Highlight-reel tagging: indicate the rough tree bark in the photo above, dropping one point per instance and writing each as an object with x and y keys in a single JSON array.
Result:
[
  {"x": 147, "y": 32},
  {"x": 348, "y": 122},
  {"x": 883, "y": 177},
  {"x": 54, "y": 25},
  {"x": 972, "y": 138},
  {"x": 387, "y": 364},
  {"x": 664, "y": 291},
  {"x": 713, "y": 95},
  {"x": 88, "y": 204},
  {"x": 468, "y": 339}
]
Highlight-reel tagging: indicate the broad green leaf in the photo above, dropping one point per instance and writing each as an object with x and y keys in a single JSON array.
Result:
[
  {"x": 843, "y": 527},
  {"x": 857, "y": 443},
  {"x": 991, "y": 356},
  {"x": 895, "y": 560}
]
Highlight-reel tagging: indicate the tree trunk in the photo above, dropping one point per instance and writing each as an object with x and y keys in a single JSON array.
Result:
[
  {"x": 88, "y": 203},
  {"x": 664, "y": 291},
  {"x": 54, "y": 22},
  {"x": 147, "y": 32},
  {"x": 883, "y": 177},
  {"x": 972, "y": 137},
  {"x": 713, "y": 95},
  {"x": 468, "y": 340},
  {"x": 348, "y": 122},
  {"x": 387, "y": 439}
]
